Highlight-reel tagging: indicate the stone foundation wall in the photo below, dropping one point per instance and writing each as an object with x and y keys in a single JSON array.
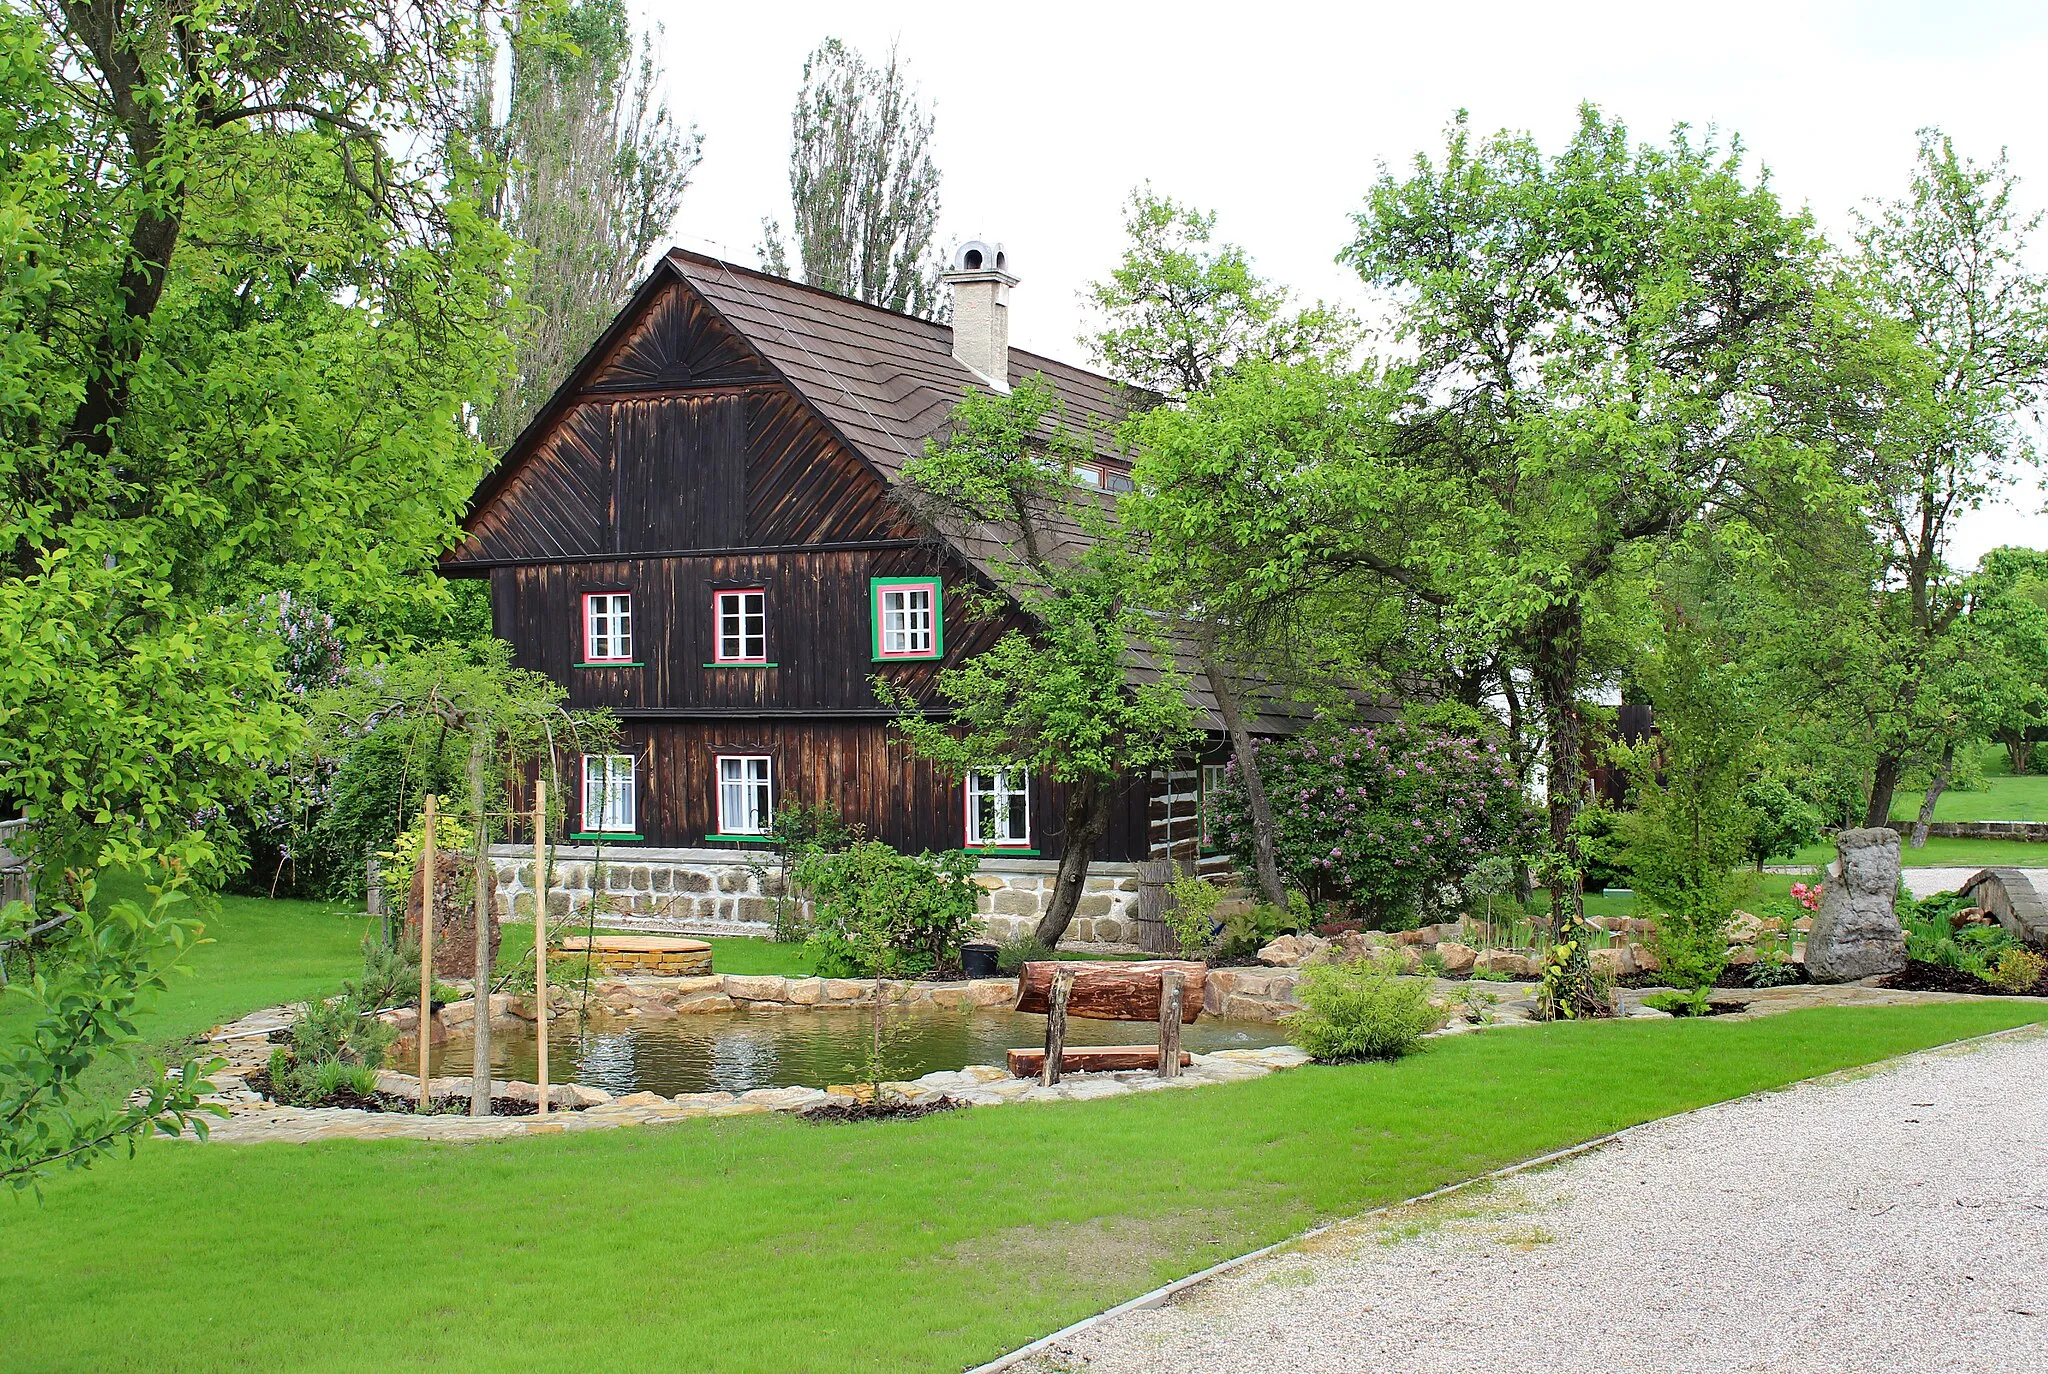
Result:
[{"x": 720, "y": 892}]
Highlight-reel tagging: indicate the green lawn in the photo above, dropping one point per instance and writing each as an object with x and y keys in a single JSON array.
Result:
[
  {"x": 1943, "y": 853},
  {"x": 765, "y": 1243},
  {"x": 2002, "y": 798},
  {"x": 770, "y": 1244}
]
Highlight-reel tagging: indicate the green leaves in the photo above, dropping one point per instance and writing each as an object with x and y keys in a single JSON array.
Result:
[{"x": 83, "y": 999}]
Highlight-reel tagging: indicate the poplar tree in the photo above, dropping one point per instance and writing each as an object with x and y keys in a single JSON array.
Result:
[
  {"x": 862, "y": 184},
  {"x": 597, "y": 166}
]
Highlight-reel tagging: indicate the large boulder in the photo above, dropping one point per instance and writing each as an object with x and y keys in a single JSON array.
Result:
[
  {"x": 1856, "y": 931},
  {"x": 1292, "y": 951}
]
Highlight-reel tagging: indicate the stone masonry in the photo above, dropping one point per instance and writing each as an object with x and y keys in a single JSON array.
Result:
[{"x": 724, "y": 892}]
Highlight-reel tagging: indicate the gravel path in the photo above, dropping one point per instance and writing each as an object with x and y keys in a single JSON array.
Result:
[{"x": 1894, "y": 1219}]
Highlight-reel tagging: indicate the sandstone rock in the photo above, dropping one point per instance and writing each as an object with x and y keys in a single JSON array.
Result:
[
  {"x": 992, "y": 992},
  {"x": 713, "y": 1099},
  {"x": 783, "y": 1099},
  {"x": 1616, "y": 961},
  {"x": 1856, "y": 932},
  {"x": 1500, "y": 961},
  {"x": 848, "y": 990},
  {"x": 1292, "y": 951},
  {"x": 767, "y": 988},
  {"x": 1646, "y": 959},
  {"x": 1457, "y": 958},
  {"x": 1743, "y": 928},
  {"x": 1741, "y": 956},
  {"x": 639, "y": 1099},
  {"x": 806, "y": 992}
]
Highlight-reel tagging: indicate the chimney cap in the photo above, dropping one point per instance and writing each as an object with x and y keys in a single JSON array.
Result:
[{"x": 978, "y": 258}]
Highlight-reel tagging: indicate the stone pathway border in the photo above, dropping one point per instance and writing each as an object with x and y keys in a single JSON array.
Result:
[{"x": 1163, "y": 1294}]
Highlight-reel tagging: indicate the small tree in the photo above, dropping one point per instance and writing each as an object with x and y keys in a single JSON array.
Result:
[
  {"x": 1691, "y": 824},
  {"x": 1056, "y": 699},
  {"x": 1180, "y": 313},
  {"x": 509, "y": 716}
]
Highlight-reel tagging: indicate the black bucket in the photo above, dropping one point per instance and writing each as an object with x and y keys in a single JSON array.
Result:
[{"x": 978, "y": 959}]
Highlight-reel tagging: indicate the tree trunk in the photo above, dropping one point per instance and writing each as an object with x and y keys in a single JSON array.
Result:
[
  {"x": 1934, "y": 791},
  {"x": 1883, "y": 783},
  {"x": 1554, "y": 662},
  {"x": 480, "y": 1075},
  {"x": 1268, "y": 869},
  {"x": 2019, "y": 750},
  {"x": 1088, "y": 803}
]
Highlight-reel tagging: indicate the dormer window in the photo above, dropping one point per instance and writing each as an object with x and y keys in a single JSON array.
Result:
[
  {"x": 608, "y": 627},
  {"x": 740, "y": 626},
  {"x": 908, "y": 618},
  {"x": 1089, "y": 475}
]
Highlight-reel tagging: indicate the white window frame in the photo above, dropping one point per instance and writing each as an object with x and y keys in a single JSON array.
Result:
[
  {"x": 743, "y": 639},
  {"x": 733, "y": 786},
  {"x": 1212, "y": 783},
  {"x": 1001, "y": 786},
  {"x": 610, "y": 794},
  {"x": 607, "y": 627}
]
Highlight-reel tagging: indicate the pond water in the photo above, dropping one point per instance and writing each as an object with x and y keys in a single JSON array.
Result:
[{"x": 735, "y": 1051}]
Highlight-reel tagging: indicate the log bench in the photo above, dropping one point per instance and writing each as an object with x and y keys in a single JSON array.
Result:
[
  {"x": 1091, "y": 1059},
  {"x": 1168, "y": 991},
  {"x": 661, "y": 955}
]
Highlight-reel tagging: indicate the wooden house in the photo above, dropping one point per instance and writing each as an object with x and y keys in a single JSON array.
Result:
[{"x": 699, "y": 532}]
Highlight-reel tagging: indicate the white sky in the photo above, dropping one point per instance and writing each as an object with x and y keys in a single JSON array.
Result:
[{"x": 1278, "y": 115}]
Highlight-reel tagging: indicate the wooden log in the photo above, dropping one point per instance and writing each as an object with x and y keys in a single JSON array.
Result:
[
  {"x": 1112, "y": 992},
  {"x": 1171, "y": 981},
  {"x": 1091, "y": 1059},
  {"x": 1057, "y": 1000}
]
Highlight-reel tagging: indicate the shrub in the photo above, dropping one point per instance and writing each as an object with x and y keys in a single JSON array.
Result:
[
  {"x": 1013, "y": 954},
  {"x": 1932, "y": 938},
  {"x": 2018, "y": 970},
  {"x": 876, "y": 912},
  {"x": 333, "y": 1043},
  {"x": 1191, "y": 913},
  {"x": 1692, "y": 1003},
  {"x": 1361, "y": 1010},
  {"x": 1247, "y": 931},
  {"x": 1380, "y": 817}
]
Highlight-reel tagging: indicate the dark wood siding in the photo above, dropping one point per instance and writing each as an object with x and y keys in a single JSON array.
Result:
[
  {"x": 558, "y": 502},
  {"x": 682, "y": 472},
  {"x": 819, "y": 628},
  {"x": 858, "y": 766}
]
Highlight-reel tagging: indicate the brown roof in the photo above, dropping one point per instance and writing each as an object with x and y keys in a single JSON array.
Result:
[{"x": 886, "y": 381}]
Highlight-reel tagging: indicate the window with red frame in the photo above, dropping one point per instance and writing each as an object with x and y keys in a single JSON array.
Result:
[
  {"x": 607, "y": 627},
  {"x": 740, "y": 626}
]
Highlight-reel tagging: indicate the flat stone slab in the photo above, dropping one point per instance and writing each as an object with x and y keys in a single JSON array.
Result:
[{"x": 634, "y": 944}]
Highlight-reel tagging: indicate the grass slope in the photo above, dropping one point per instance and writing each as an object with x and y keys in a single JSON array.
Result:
[
  {"x": 769, "y": 1244},
  {"x": 2003, "y": 797},
  {"x": 1946, "y": 853}
]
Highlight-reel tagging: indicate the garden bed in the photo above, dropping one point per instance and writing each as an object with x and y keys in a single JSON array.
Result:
[
  {"x": 449, "y": 1104},
  {"x": 1920, "y": 976}
]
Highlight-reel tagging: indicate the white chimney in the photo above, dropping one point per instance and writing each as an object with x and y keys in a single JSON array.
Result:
[{"x": 981, "y": 284}]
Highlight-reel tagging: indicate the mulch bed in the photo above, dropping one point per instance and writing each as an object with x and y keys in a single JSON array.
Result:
[
  {"x": 897, "y": 1110},
  {"x": 1918, "y": 976},
  {"x": 453, "y": 1105}
]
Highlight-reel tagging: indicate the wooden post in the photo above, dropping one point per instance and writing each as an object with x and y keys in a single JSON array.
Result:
[
  {"x": 426, "y": 948},
  {"x": 1056, "y": 1027},
  {"x": 540, "y": 930},
  {"x": 480, "y": 864},
  {"x": 1171, "y": 983}
]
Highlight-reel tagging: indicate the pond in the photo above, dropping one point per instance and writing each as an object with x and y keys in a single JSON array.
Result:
[{"x": 735, "y": 1051}]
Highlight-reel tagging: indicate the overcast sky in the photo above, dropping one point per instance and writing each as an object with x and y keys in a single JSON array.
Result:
[{"x": 1278, "y": 115}]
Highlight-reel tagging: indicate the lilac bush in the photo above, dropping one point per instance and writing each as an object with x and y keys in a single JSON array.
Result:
[{"x": 1379, "y": 817}]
